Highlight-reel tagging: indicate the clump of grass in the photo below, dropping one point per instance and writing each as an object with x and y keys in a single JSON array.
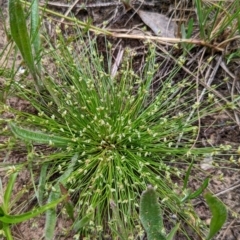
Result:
[
  {"x": 110, "y": 136},
  {"x": 218, "y": 21}
]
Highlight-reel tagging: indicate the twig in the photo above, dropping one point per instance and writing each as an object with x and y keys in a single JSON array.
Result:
[
  {"x": 165, "y": 40},
  {"x": 229, "y": 226},
  {"x": 236, "y": 185},
  {"x": 89, "y": 5}
]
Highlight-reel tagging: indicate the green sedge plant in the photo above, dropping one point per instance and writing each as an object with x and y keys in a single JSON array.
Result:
[{"x": 110, "y": 136}]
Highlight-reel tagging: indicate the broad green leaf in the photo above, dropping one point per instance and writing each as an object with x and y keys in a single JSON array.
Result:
[
  {"x": 219, "y": 214},
  {"x": 151, "y": 215},
  {"x": 38, "y": 137},
  {"x": 35, "y": 36},
  {"x": 19, "y": 33},
  {"x": 183, "y": 31},
  {"x": 190, "y": 28},
  {"x": 69, "y": 170},
  {"x": 25, "y": 216},
  {"x": 7, "y": 232},
  {"x": 51, "y": 216}
]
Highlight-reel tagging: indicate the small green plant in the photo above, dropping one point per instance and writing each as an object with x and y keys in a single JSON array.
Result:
[
  {"x": 7, "y": 219},
  {"x": 110, "y": 136}
]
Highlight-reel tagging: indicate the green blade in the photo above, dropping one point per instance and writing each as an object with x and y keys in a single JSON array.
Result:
[{"x": 219, "y": 214}]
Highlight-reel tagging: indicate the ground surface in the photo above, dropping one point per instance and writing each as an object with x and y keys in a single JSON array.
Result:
[{"x": 216, "y": 130}]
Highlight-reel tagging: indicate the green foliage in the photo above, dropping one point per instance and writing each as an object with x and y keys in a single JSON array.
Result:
[
  {"x": 152, "y": 219},
  {"x": 19, "y": 34},
  {"x": 6, "y": 219},
  {"x": 200, "y": 189},
  {"x": 117, "y": 224},
  {"x": 186, "y": 33},
  {"x": 35, "y": 33},
  {"x": 51, "y": 216},
  {"x": 195, "y": 194},
  {"x": 38, "y": 137},
  {"x": 151, "y": 216},
  {"x": 233, "y": 56},
  {"x": 219, "y": 214},
  {"x": 215, "y": 18},
  {"x": 110, "y": 136},
  {"x": 120, "y": 133}
]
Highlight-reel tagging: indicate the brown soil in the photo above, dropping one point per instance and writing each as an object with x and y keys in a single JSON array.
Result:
[{"x": 215, "y": 130}]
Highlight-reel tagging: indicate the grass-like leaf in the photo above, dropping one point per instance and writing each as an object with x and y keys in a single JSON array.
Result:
[
  {"x": 8, "y": 190},
  {"x": 13, "y": 219},
  {"x": 200, "y": 189},
  {"x": 215, "y": 18},
  {"x": 78, "y": 225},
  {"x": 171, "y": 235}
]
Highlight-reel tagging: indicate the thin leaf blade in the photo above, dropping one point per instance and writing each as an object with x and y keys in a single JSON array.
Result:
[
  {"x": 13, "y": 219},
  {"x": 171, "y": 235},
  {"x": 200, "y": 189},
  {"x": 9, "y": 189}
]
